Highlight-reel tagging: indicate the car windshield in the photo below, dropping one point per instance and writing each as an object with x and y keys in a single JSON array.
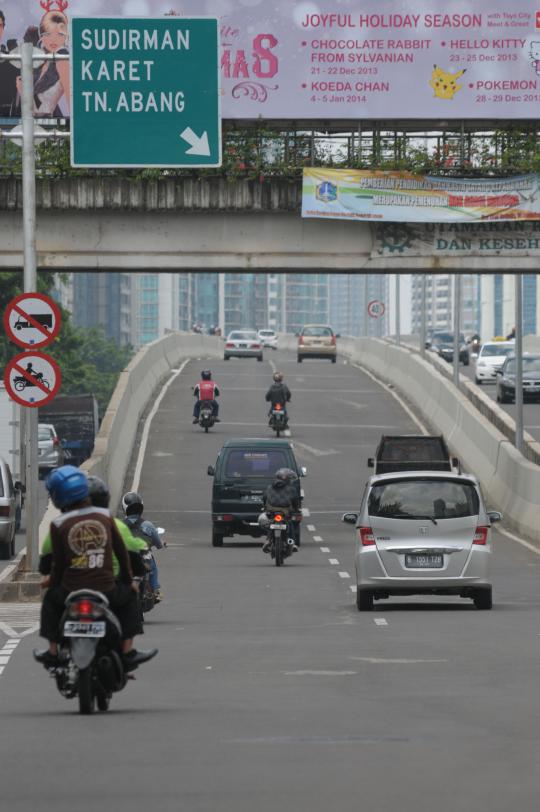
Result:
[
  {"x": 243, "y": 463},
  {"x": 529, "y": 365},
  {"x": 317, "y": 332},
  {"x": 243, "y": 336},
  {"x": 496, "y": 350},
  {"x": 423, "y": 499},
  {"x": 446, "y": 338}
]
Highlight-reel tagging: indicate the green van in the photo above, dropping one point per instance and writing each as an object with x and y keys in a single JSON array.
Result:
[{"x": 243, "y": 470}]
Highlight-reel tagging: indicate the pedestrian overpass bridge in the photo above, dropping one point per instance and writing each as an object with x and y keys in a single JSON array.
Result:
[{"x": 172, "y": 224}]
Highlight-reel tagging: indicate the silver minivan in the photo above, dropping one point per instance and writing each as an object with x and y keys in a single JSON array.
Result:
[
  {"x": 10, "y": 510},
  {"x": 423, "y": 533}
]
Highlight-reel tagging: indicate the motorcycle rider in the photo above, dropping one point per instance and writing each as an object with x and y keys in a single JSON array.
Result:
[
  {"x": 278, "y": 393},
  {"x": 282, "y": 495},
  {"x": 83, "y": 540},
  {"x": 206, "y": 391},
  {"x": 133, "y": 507}
]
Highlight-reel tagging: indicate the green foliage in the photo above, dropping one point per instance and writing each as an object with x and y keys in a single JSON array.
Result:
[{"x": 90, "y": 362}]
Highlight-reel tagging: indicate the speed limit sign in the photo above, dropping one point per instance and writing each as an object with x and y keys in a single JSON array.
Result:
[{"x": 376, "y": 309}]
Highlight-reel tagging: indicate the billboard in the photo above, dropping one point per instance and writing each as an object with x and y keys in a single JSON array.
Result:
[
  {"x": 401, "y": 197},
  {"x": 339, "y": 59}
]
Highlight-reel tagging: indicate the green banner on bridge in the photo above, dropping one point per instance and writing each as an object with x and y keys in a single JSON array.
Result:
[{"x": 145, "y": 92}]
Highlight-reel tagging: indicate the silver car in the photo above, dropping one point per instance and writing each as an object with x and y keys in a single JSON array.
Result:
[
  {"x": 243, "y": 344},
  {"x": 10, "y": 510},
  {"x": 50, "y": 451},
  {"x": 423, "y": 533}
]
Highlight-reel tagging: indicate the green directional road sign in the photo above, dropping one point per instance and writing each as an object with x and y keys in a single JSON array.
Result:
[{"x": 145, "y": 92}]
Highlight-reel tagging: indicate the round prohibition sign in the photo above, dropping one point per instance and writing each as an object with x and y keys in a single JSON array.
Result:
[
  {"x": 32, "y": 379},
  {"x": 32, "y": 320},
  {"x": 376, "y": 309}
]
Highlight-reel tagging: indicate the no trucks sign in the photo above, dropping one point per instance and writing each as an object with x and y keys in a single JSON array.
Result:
[{"x": 145, "y": 92}]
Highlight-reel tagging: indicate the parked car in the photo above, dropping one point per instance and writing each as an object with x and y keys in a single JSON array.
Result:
[
  {"x": 491, "y": 357},
  {"x": 51, "y": 453},
  {"x": 412, "y": 452},
  {"x": 243, "y": 344},
  {"x": 10, "y": 508},
  {"x": 268, "y": 338},
  {"x": 424, "y": 533},
  {"x": 243, "y": 470},
  {"x": 443, "y": 344},
  {"x": 317, "y": 341},
  {"x": 506, "y": 379}
]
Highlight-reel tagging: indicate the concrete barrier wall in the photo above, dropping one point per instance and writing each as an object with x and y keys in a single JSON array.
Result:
[
  {"x": 510, "y": 482},
  {"x": 134, "y": 392}
]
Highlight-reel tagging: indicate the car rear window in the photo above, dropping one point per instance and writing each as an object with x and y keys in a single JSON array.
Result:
[
  {"x": 243, "y": 336},
  {"x": 423, "y": 499},
  {"x": 44, "y": 434},
  {"x": 496, "y": 349},
  {"x": 529, "y": 365},
  {"x": 245, "y": 463},
  {"x": 317, "y": 332}
]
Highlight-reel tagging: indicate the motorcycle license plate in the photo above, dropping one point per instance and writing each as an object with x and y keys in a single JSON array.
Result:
[
  {"x": 76, "y": 628},
  {"x": 278, "y": 526}
]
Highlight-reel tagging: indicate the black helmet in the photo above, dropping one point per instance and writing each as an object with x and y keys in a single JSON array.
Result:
[
  {"x": 98, "y": 492},
  {"x": 206, "y": 375},
  {"x": 286, "y": 475},
  {"x": 278, "y": 377},
  {"x": 132, "y": 504}
]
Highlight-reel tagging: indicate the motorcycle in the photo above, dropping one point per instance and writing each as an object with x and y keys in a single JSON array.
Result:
[
  {"x": 20, "y": 382},
  {"x": 278, "y": 534},
  {"x": 146, "y": 595},
  {"x": 90, "y": 659},
  {"x": 206, "y": 416},
  {"x": 278, "y": 419}
]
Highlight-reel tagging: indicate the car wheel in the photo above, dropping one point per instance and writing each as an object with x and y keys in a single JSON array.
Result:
[
  {"x": 483, "y": 598},
  {"x": 5, "y": 551},
  {"x": 217, "y": 539},
  {"x": 334, "y": 359},
  {"x": 226, "y": 357},
  {"x": 364, "y": 600},
  {"x": 477, "y": 381},
  {"x": 299, "y": 359},
  {"x": 466, "y": 362},
  {"x": 259, "y": 358}
]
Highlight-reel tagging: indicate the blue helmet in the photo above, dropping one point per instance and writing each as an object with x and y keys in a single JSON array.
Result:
[{"x": 66, "y": 485}]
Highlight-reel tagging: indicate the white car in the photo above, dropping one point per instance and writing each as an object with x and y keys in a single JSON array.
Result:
[
  {"x": 423, "y": 533},
  {"x": 268, "y": 338},
  {"x": 491, "y": 357},
  {"x": 243, "y": 344}
]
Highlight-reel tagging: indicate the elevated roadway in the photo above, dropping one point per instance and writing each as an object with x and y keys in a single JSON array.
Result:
[{"x": 270, "y": 690}]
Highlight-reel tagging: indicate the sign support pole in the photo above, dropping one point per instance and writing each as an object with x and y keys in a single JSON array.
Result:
[
  {"x": 457, "y": 306},
  {"x": 518, "y": 280},
  {"x": 398, "y": 311},
  {"x": 423, "y": 318},
  {"x": 30, "y": 286}
]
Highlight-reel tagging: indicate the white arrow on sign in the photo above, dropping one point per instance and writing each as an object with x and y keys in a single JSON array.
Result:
[{"x": 199, "y": 145}]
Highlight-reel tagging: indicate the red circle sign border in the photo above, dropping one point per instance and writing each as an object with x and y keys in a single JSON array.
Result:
[
  {"x": 53, "y": 392},
  {"x": 376, "y": 315},
  {"x": 48, "y": 301}
]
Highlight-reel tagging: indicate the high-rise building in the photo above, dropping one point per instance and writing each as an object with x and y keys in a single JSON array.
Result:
[
  {"x": 350, "y": 295},
  {"x": 104, "y": 299},
  {"x": 155, "y": 306},
  {"x": 440, "y": 302},
  {"x": 498, "y": 305}
]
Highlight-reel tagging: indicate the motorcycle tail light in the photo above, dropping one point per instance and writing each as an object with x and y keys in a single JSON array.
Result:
[
  {"x": 278, "y": 407},
  {"x": 84, "y": 608},
  {"x": 480, "y": 536},
  {"x": 367, "y": 539},
  {"x": 278, "y": 517}
]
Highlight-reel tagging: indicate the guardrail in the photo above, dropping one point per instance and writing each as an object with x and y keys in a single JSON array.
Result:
[
  {"x": 137, "y": 384},
  {"x": 510, "y": 482}
]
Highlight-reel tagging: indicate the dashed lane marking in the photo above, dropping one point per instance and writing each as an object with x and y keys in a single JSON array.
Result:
[
  {"x": 353, "y": 587},
  {"x": 311, "y": 528},
  {"x": 396, "y": 661},
  {"x": 344, "y": 575},
  {"x": 318, "y": 538},
  {"x": 19, "y": 619},
  {"x": 333, "y": 561},
  {"x": 325, "y": 549},
  {"x": 380, "y": 621},
  {"x": 306, "y": 513},
  {"x": 5, "y": 653}
]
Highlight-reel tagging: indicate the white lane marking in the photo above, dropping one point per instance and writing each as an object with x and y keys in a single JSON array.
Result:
[
  {"x": 311, "y": 528},
  {"x": 348, "y": 426},
  {"x": 333, "y": 561},
  {"x": 394, "y": 394},
  {"x": 317, "y": 452},
  {"x": 344, "y": 575},
  {"x": 148, "y": 423},
  {"x": 317, "y": 538},
  {"x": 353, "y": 587},
  {"x": 325, "y": 549},
  {"x": 11, "y": 632},
  {"x": 272, "y": 366},
  {"x": 2, "y": 669},
  {"x": 397, "y": 661},
  {"x": 380, "y": 621},
  {"x": 524, "y": 543},
  {"x": 4, "y": 660},
  {"x": 319, "y": 673},
  {"x": 306, "y": 512}
]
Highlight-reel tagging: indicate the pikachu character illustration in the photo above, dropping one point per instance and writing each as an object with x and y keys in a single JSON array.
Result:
[{"x": 444, "y": 84}]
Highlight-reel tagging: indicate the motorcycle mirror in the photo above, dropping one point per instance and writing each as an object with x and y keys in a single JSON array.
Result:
[
  {"x": 303, "y": 471},
  {"x": 210, "y": 470},
  {"x": 161, "y": 530}
]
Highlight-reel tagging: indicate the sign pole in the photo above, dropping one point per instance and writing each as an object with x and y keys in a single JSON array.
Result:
[
  {"x": 30, "y": 286},
  {"x": 519, "y": 361},
  {"x": 457, "y": 320},
  {"x": 423, "y": 319},
  {"x": 398, "y": 311}
]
